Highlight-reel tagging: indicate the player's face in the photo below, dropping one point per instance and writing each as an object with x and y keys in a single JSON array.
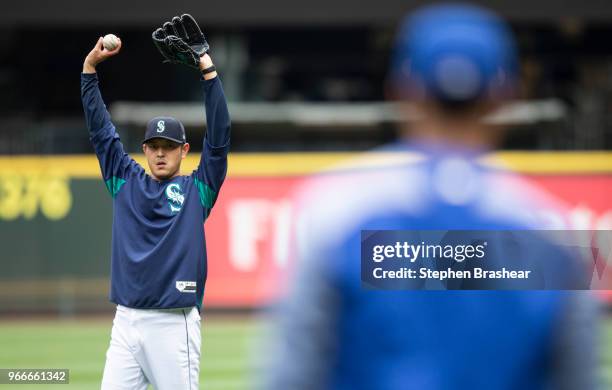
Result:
[{"x": 164, "y": 157}]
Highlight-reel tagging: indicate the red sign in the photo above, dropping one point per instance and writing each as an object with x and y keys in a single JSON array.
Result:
[{"x": 248, "y": 243}]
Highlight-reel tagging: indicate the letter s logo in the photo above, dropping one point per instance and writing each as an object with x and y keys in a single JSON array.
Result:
[{"x": 161, "y": 126}]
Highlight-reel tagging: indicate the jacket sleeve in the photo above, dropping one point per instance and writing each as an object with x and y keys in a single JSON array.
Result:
[
  {"x": 115, "y": 163},
  {"x": 211, "y": 171}
]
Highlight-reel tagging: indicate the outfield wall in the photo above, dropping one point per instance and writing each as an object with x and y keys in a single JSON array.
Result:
[{"x": 55, "y": 223}]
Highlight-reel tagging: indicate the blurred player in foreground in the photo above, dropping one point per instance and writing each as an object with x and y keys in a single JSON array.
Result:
[
  {"x": 158, "y": 265},
  {"x": 454, "y": 64}
]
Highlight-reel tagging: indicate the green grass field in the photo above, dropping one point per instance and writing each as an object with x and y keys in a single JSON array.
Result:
[{"x": 80, "y": 345}]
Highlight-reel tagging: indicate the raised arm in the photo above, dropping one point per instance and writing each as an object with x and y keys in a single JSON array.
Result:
[
  {"x": 114, "y": 162},
  {"x": 181, "y": 41},
  {"x": 212, "y": 169}
]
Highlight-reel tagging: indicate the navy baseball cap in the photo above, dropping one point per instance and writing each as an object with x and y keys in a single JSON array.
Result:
[
  {"x": 165, "y": 127},
  {"x": 457, "y": 52}
]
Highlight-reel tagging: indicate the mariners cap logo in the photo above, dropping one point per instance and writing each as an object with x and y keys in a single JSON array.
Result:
[
  {"x": 161, "y": 126},
  {"x": 165, "y": 127}
]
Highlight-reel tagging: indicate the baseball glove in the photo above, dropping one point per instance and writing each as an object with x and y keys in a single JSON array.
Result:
[{"x": 181, "y": 41}]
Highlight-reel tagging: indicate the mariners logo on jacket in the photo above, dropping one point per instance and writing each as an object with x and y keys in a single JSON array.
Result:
[{"x": 175, "y": 197}]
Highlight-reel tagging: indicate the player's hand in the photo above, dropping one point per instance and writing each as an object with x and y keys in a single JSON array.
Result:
[
  {"x": 97, "y": 55},
  {"x": 206, "y": 62}
]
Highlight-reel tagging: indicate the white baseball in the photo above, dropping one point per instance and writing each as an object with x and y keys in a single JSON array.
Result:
[{"x": 110, "y": 41}]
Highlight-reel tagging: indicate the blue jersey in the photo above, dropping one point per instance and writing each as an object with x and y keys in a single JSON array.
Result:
[
  {"x": 336, "y": 335},
  {"x": 158, "y": 255}
]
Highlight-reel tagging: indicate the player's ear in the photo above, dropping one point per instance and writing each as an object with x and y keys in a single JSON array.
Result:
[
  {"x": 185, "y": 150},
  {"x": 144, "y": 148}
]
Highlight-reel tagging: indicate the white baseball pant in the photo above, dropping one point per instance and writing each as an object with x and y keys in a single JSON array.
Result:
[{"x": 157, "y": 347}]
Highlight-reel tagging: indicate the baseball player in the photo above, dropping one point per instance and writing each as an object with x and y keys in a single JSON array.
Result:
[
  {"x": 454, "y": 63},
  {"x": 158, "y": 262}
]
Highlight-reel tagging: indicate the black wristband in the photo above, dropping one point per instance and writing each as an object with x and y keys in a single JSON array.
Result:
[{"x": 210, "y": 69}]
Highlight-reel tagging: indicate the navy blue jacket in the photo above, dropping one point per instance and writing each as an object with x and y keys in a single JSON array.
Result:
[{"x": 158, "y": 247}]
